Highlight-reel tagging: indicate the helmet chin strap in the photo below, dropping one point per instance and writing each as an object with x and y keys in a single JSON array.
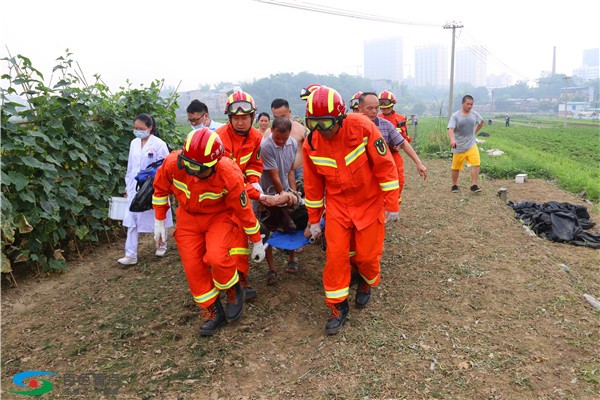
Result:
[{"x": 241, "y": 133}]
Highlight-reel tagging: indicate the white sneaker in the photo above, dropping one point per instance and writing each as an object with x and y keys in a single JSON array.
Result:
[
  {"x": 161, "y": 252},
  {"x": 127, "y": 260}
]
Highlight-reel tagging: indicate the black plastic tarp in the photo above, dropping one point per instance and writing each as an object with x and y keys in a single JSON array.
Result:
[{"x": 558, "y": 222}]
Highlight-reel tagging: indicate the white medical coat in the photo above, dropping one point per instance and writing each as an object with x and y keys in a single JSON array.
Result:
[{"x": 139, "y": 159}]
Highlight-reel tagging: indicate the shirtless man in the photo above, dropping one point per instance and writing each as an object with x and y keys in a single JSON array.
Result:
[{"x": 281, "y": 108}]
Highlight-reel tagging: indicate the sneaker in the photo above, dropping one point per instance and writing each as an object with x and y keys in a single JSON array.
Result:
[
  {"x": 454, "y": 189},
  {"x": 127, "y": 260},
  {"x": 475, "y": 189},
  {"x": 161, "y": 252}
]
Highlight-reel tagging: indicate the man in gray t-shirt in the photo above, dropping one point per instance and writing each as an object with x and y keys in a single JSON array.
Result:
[
  {"x": 278, "y": 152},
  {"x": 462, "y": 129}
]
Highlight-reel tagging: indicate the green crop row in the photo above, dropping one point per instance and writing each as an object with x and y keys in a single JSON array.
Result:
[
  {"x": 64, "y": 153},
  {"x": 541, "y": 148}
]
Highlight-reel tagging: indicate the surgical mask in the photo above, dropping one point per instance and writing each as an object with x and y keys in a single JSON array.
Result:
[
  {"x": 141, "y": 134},
  {"x": 196, "y": 127}
]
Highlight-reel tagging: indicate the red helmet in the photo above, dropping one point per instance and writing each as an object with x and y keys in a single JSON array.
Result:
[
  {"x": 354, "y": 100},
  {"x": 325, "y": 102},
  {"x": 386, "y": 99},
  {"x": 304, "y": 93},
  {"x": 324, "y": 108},
  {"x": 201, "y": 150},
  {"x": 240, "y": 103}
]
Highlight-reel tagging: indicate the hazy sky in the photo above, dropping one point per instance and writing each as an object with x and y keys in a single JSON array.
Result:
[{"x": 210, "y": 41}]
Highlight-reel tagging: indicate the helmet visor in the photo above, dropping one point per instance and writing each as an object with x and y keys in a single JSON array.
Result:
[
  {"x": 385, "y": 103},
  {"x": 192, "y": 167},
  {"x": 353, "y": 103},
  {"x": 320, "y": 123},
  {"x": 304, "y": 93},
  {"x": 240, "y": 107}
]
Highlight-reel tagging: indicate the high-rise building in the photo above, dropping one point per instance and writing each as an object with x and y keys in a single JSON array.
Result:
[
  {"x": 591, "y": 57},
  {"x": 384, "y": 59},
  {"x": 589, "y": 69},
  {"x": 431, "y": 65},
  {"x": 471, "y": 66}
]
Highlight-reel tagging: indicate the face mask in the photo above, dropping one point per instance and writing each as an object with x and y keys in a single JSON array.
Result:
[
  {"x": 196, "y": 127},
  {"x": 141, "y": 134}
]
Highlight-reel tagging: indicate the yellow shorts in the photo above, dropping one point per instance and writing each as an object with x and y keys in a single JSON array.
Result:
[{"x": 470, "y": 156}]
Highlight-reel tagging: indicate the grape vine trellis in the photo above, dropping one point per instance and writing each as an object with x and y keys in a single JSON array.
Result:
[{"x": 63, "y": 154}]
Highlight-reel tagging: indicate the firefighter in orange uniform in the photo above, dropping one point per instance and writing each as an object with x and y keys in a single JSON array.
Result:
[
  {"x": 386, "y": 104},
  {"x": 387, "y": 100},
  {"x": 210, "y": 190},
  {"x": 349, "y": 171},
  {"x": 242, "y": 144}
]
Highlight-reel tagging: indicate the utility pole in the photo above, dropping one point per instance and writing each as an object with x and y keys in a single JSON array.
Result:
[
  {"x": 566, "y": 78},
  {"x": 452, "y": 26}
]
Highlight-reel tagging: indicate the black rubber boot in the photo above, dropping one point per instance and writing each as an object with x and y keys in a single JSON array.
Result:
[
  {"x": 339, "y": 313},
  {"x": 215, "y": 317},
  {"x": 249, "y": 292},
  {"x": 235, "y": 302},
  {"x": 363, "y": 293}
]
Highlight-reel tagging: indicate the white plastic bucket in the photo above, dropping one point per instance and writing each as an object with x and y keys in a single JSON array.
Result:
[{"x": 117, "y": 207}]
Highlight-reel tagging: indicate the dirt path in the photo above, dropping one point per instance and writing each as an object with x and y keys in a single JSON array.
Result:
[{"x": 470, "y": 307}]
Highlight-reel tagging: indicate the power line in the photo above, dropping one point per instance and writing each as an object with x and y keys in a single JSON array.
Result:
[
  {"x": 342, "y": 13},
  {"x": 492, "y": 57}
]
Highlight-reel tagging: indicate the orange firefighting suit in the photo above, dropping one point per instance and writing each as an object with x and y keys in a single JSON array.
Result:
[
  {"x": 245, "y": 151},
  {"x": 357, "y": 171},
  {"x": 209, "y": 211},
  {"x": 399, "y": 122}
]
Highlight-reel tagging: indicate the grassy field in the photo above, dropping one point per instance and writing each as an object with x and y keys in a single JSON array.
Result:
[{"x": 541, "y": 148}]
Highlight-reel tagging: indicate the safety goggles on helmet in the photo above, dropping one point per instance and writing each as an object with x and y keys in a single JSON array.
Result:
[
  {"x": 385, "y": 103},
  {"x": 304, "y": 93},
  {"x": 354, "y": 103},
  {"x": 192, "y": 167},
  {"x": 320, "y": 123},
  {"x": 240, "y": 107}
]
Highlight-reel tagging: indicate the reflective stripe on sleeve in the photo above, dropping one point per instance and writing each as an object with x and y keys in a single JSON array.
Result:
[
  {"x": 253, "y": 230},
  {"x": 159, "y": 201},
  {"x": 314, "y": 203},
  {"x": 391, "y": 185},
  {"x": 253, "y": 172}
]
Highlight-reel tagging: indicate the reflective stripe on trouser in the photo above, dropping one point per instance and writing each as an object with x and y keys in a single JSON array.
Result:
[
  {"x": 399, "y": 161},
  {"x": 369, "y": 247},
  {"x": 203, "y": 241},
  {"x": 240, "y": 253}
]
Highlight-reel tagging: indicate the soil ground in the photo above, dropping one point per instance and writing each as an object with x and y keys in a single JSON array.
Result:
[{"x": 469, "y": 307}]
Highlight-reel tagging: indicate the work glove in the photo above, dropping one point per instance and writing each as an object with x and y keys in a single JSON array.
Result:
[
  {"x": 258, "y": 187},
  {"x": 258, "y": 252},
  {"x": 315, "y": 231},
  {"x": 160, "y": 232},
  {"x": 391, "y": 216}
]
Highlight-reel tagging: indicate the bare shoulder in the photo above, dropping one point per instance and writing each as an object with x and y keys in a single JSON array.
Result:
[{"x": 298, "y": 132}]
